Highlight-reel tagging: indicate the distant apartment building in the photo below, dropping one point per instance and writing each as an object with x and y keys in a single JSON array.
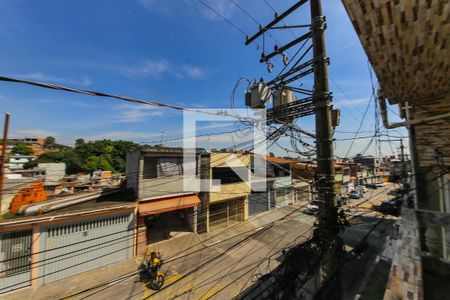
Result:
[
  {"x": 37, "y": 144},
  {"x": 17, "y": 161},
  {"x": 370, "y": 169}
]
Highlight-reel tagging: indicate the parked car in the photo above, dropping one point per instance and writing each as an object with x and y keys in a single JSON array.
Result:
[
  {"x": 379, "y": 184},
  {"x": 371, "y": 186},
  {"x": 312, "y": 209},
  {"x": 389, "y": 207},
  {"x": 362, "y": 189},
  {"x": 355, "y": 194}
]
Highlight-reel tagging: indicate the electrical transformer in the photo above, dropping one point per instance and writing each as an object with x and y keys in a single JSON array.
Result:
[
  {"x": 281, "y": 97},
  {"x": 258, "y": 95}
]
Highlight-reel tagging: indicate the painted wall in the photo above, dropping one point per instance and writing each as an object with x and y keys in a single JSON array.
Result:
[
  {"x": 132, "y": 170},
  {"x": 230, "y": 190}
]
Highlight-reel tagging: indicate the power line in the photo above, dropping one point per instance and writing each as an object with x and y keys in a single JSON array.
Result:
[
  {"x": 282, "y": 22},
  {"x": 359, "y": 128},
  {"x": 123, "y": 98},
  {"x": 254, "y": 20},
  {"x": 223, "y": 18}
]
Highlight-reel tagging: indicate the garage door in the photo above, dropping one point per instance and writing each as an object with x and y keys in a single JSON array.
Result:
[
  {"x": 73, "y": 248},
  {"x": 15, "y": 257},
  {"x": 226, "y": 214}
]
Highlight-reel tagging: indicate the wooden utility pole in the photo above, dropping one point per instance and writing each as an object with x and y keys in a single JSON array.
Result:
[{"x": 2, "y": 164}]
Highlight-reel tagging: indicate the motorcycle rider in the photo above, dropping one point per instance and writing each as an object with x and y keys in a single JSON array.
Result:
[{"x": 154, "y": 263}]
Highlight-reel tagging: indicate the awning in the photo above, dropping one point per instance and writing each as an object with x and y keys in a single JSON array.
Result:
[{"x": 158, "y": 206}]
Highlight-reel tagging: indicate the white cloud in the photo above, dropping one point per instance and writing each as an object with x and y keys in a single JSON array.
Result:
[
  {"x": 193, "y": 72},
  {"x": 176, "y": 7},
  {"x": 158, "y": 68},
  {"x": 135, "y": 113},
  {"x": 33, "y": 133},
  {"x": 352, "y": 102},
  {"x": 123, "y": 135},
  {"x": 150, "y": 68},
  {"x": 38, "y": 76},
  {"x": 223, "y": 7}
]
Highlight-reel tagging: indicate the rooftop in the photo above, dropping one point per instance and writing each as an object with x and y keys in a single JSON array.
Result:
[
  {"x": 158, "y": 149},
  {"x": 122, "y": 198}
]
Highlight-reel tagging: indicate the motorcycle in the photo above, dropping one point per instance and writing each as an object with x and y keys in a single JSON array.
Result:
[{"x": 152, "y": 266}]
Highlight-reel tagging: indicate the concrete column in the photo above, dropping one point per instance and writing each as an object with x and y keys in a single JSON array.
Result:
[
  {"x": 207, "y": 218},
  {"x": 135, "y": 231},
  {"x": 194, "y": 220},
  {"x": 35, "y": 249},
  {"x": 246, "y": 200}
]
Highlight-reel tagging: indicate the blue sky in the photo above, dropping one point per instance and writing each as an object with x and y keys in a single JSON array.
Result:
[{"x": 171, "y": 51}]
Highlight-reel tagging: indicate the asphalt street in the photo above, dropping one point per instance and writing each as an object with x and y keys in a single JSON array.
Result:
[{"x": 224, "y": 266}]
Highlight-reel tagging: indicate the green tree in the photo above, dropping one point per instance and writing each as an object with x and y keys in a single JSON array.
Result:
[
  {"x": 23, "y": 149},
  {"x": 104, "y": 164},
  {"x": 91, "y": 164},
  {"x": 91, "y": 156},
  {"x": 49, "y": 142},
  {"x": 79, "y": 142}
]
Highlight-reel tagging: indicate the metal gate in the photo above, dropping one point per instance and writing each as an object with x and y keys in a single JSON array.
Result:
[
  {"x": 258, "y": 202},
  {"x": 73, "y": 248},
  {"x": 225, "y": 214},
  {"x": 15, "y": 259}
]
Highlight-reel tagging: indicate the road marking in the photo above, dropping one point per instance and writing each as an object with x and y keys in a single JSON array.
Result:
[{"x": 213, "y": 243}]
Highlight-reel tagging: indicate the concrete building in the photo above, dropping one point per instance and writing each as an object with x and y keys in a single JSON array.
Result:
[
  {"x": 170, "y": 202},
  {"x": 17, "y": 161},
  {"x": 37, "y": 144},
  {"x": 230, "y": 205},
  {"x": 280, "y": 188},
  {"x": 407, "y": 44},
  {"x": 156, "y": 176},
  {"x": 54, "y": 172},
  {"x": 370, "y": 162},
  {"x": 69, "y": 240},
  {"x": 370, "y": 169}
]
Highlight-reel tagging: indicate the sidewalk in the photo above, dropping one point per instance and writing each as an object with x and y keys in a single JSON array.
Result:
[{"x": 71, "y": 285}]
